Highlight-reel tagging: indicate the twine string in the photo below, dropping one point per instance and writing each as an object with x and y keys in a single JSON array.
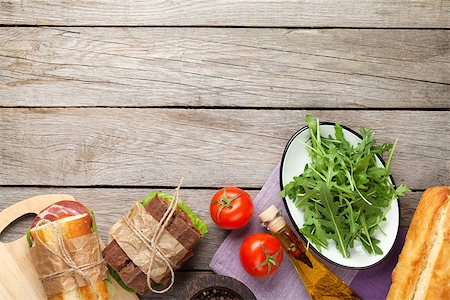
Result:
[
  {"x": 152, "y": 244},
  {"x": 66, "y": 258}
]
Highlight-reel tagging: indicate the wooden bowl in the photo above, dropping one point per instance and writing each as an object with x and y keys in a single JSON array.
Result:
[{"x": 218, "y": 283}]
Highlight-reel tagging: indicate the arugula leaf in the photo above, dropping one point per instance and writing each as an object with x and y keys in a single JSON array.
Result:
[
  {"x": 317, "y": 240},
  {"x": 401, "y": 190},
  {"x": 331, "y": 213},
  {"x": 352, "y": 216},
  {"x": 344, "y": 194}
]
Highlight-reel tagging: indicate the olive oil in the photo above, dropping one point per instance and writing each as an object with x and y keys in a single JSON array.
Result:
[{"x": 320, "y": 282}]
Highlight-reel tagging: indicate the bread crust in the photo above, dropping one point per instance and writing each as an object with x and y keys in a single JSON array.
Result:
[
  {"x": 69, "y": 229},
  {"x": 422, "y": 271},
  {"x": 84, "y": 293}
]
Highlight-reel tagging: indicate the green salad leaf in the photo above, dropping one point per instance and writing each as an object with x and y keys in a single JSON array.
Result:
[
  {"x": 196, "y": 221},
  {"x": 343, "y": 193},
  {"x": 119, "y": 280},
  {"x": 94, "y": 223},
  {"x": 29, "y": 240},
  {"x": 110, "y": 288}
]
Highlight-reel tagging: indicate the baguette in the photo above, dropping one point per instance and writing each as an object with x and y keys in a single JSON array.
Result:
[
  {"x": 423, "y": 268},
  {"x": 70, "y": 227}
]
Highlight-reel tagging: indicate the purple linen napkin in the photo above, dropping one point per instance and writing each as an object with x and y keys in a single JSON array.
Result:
[{"x": 372, "y": 283}]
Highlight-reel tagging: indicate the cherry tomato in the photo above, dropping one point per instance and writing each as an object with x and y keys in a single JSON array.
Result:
[
  {"x": 231, "y": 208},
  {"x": 261, "y": 255}
]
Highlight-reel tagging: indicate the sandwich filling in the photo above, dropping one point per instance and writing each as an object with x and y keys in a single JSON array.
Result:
[
  {"x": 60, "y": 210},
  {"x": 184, "y": 226},
  {"x": 65, "y": 242},
  {"x": 63, "y": 211}
]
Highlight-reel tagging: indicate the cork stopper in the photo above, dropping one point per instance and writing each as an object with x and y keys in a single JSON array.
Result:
[{"x": 272, "y": 219}]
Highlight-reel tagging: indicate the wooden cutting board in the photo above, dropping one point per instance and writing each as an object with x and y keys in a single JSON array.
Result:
[{"x": 18, "y": 278}]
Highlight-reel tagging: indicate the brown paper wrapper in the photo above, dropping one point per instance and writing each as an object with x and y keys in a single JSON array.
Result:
[
  {"x": 83, "y": 250},
  {"x": 139, "y": 252}
]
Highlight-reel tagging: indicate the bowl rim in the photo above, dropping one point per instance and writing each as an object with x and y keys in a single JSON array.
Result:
[{"x": 293, "y": 137}]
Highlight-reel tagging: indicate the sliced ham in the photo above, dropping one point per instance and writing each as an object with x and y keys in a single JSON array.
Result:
[{"x": 61, "y": 209}]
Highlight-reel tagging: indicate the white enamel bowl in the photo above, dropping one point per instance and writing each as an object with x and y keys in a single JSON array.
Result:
[{"x": 294, "y": 159}]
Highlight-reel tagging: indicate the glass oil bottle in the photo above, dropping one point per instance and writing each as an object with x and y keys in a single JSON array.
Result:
[{"x": 320, "y": 282}]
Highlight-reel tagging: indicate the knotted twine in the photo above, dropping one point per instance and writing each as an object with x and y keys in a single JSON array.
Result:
[
  {"x": 73, "y": 267},
  {"x": 152, "y": 244}
]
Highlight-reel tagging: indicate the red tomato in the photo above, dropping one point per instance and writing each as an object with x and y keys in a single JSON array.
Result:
[
  {"x": 261, "y": 255},
  {"x": 231, "y": 208}
]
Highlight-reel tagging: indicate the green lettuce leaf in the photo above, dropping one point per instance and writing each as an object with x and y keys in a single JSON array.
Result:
[
  {"x": 119, "y": 280},
  {"x": 29, "y": 240},
  {"x": 94, "y": 223},
  {"x": 110, "y": 288}
]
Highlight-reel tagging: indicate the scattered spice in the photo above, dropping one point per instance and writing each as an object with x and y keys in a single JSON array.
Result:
[{"x": 216, "y": 294}]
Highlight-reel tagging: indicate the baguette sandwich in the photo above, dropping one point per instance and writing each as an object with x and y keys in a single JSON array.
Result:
[
  {"x": 423, "y": 268},
  {"x": 66, "y": 252},
  {"x": 127, "y": 256}
]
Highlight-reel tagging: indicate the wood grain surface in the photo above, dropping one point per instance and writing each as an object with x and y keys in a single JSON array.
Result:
[
  {"x": 209, "y": 147},
  {"x": 113, "y": 100},
  {"x": 110, "y": 204},
  {"x": 285, "y": 13},
  {"x": 238, "y": 67}
]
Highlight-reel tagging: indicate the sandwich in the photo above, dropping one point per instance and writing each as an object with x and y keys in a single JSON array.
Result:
[
  {"x": 150, "y": 243},
  {"x": 423, "y": 268},
  {"x": 66, "y": 253}
]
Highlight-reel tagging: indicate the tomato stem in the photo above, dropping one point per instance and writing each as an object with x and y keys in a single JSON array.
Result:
[
  {"x": 269, "y": 261},
  {"x": 225, "y": 201}
]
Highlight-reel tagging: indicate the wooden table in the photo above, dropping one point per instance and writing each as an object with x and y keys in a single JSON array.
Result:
[{"x": 110, "y": 102}]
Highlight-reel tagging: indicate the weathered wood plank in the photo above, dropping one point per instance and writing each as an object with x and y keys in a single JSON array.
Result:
[
  {"x": 210, "y": 148},
  {"x": 224, "y": 67},
  {"x": 110, "y": 204},
  {"x": 261, "y": 13}
]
